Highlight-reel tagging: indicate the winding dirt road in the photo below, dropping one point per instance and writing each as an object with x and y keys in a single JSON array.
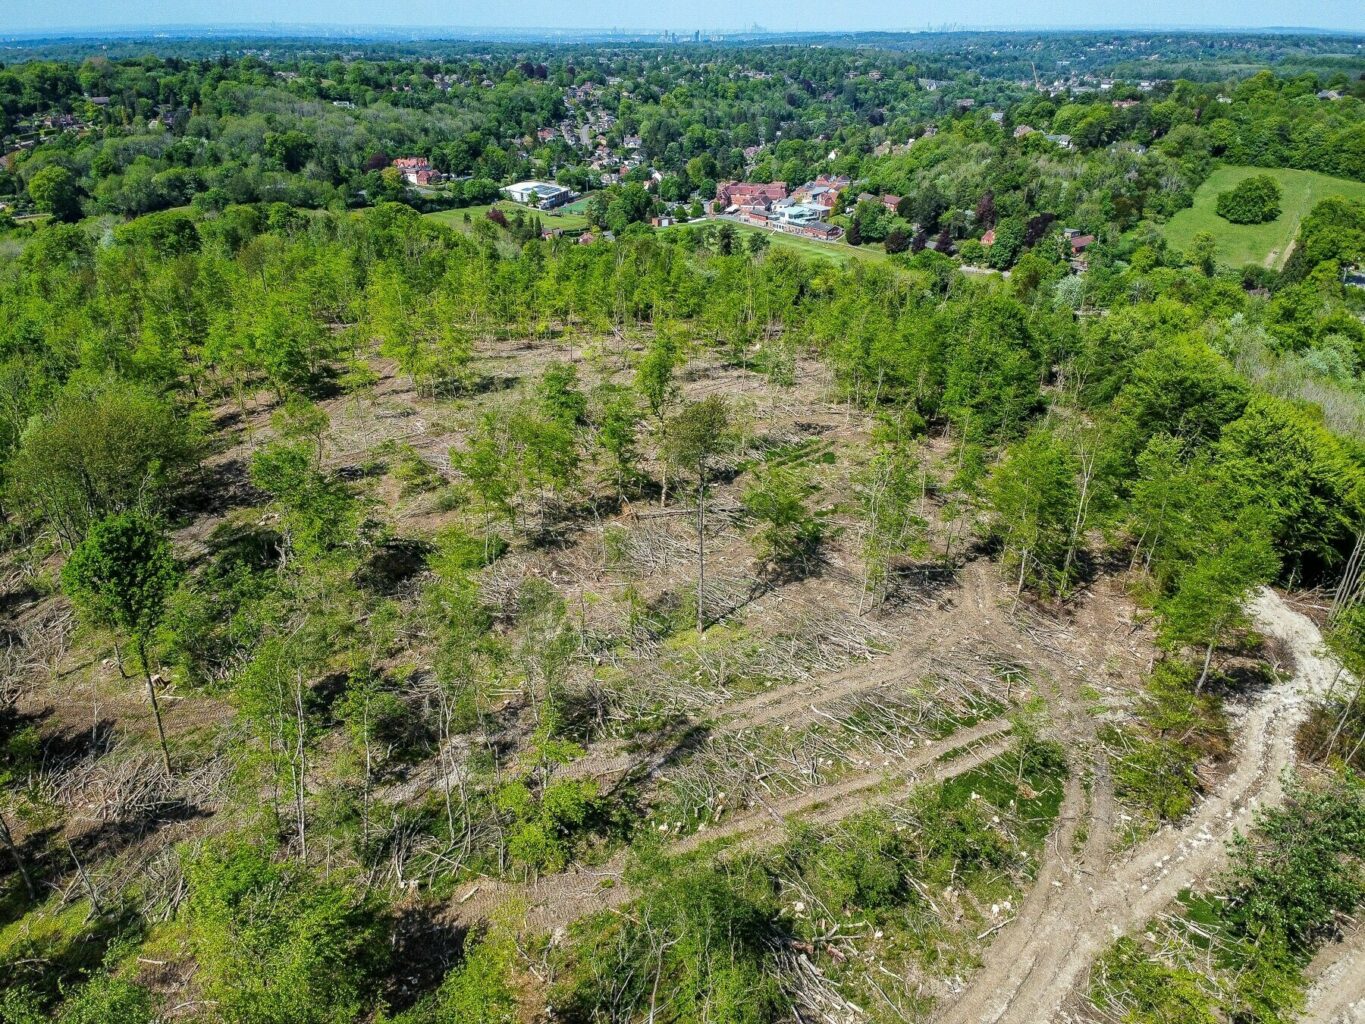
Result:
[{"x": 1076, "y": 909}]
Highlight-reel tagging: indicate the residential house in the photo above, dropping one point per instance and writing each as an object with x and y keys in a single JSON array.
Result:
[
  {"x": 417, "y": 170},
  {"x": 1024, "y": 130}
]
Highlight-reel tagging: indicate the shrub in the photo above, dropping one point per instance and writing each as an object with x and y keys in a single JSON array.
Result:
[
  {"x": 1253, "y": 200},
  {"x": 275, "y": 945}
]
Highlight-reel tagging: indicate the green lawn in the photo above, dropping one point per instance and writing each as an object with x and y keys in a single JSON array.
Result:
[
  {"x": 1267, "y": 244},
  {"x": 565, "y": 219},
  {"x": 839, "y": 252},
  {"x": 579, "y": 205}
]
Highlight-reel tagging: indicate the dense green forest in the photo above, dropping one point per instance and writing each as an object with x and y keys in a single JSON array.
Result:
[{"x": 425, "y": 622}]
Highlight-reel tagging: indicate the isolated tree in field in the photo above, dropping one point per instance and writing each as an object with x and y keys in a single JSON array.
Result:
[
  {"x": 1253, "y": 200},
  {"x": 120, "y": 576},
  {"x": 1211, "y": 594},
  {"x": 696, "y": 436}
]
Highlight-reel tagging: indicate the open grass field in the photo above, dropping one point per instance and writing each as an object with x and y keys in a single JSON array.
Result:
[
  {"x": 838, "y": 252},
  {"x": 564, "y": 218},
  {"x": 1266, "y": 244}
]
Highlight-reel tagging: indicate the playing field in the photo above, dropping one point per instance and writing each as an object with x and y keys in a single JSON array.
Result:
[
  {"x": 1266, "y": 244},
  {"x": 565, "y": 218}
]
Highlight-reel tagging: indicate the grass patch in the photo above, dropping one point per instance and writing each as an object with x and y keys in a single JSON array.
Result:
[
  {"x": 836, "y": 252},
  {"x": 566, "y": 218},
  {"x": 1264, "y": 244}
]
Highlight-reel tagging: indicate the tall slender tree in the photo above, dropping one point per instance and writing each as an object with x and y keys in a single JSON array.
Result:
[
  {"x": 696, "y": 436},
  {"x": 120, "y": 575}
]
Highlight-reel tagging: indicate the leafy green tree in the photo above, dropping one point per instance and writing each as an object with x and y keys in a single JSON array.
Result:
[
  {"x": 120, "y": 575},
  {"x": 790, "y": 533},
  {"x": 1203, "y": 248},
  {"x": 300, "y": 419},
  {"x": 318, "y": 514},
  {"x": 1280, "y": 460},
  {"x": 276, "y": 946},
  {"x": 560, "y": 396},
  {"x": 1210, "y": 595},
  {"x": 97, "y": 452},
  {"x": 1033, "y": 497},
  {"x": 696, "y": 436},
  {"x": 888, "y": 493},
  {"x": 54, "y": 190},
  {"x": 426, "y": 329},
  {"x": 1253, "y": 200},
  {"x": 1009, "y": 243},
  {"x": 547, "y": 455},
  {"x": 487, "y": 463},
  {"x": 655, "y": 375},
  {"x": 617, "y": 433}
]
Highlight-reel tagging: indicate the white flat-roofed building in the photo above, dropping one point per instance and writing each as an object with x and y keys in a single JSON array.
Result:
[{"x": 538, "y": 193}]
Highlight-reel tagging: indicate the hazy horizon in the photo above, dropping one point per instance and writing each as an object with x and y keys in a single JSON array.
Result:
[{"x": 711, "y": 16}]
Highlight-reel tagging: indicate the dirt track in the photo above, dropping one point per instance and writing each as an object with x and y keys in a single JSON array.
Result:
[
  {"x": 553, "y": 902},
  {"x": 1337, "y": 992},
  {"x": 1038, "y": 963},
  {"x": 863, "y": 790}
]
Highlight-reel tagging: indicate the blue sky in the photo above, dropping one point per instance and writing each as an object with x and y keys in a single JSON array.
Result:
[{"x": 712, "y": 15}]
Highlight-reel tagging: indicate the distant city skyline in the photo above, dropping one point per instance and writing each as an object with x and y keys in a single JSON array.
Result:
[{"x": 708, "y": 16}]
